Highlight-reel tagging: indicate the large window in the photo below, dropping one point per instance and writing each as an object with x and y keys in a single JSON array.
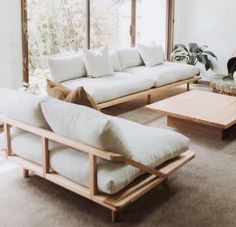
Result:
[
  {"x": 110, "y": 23},
  {"x": 151, "y": 21},
  {"x": 58, "y": 27},
  {"x": 54, "y": 27}
]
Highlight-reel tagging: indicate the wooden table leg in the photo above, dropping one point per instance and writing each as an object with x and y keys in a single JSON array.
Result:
[
  {"x": 188, "y": 87},
  {"x": 25, "y": 173},
  {"x": 149, "y": 97},
  {"x": 114, "y": 216},
  {"x": 196, "y": 128}
]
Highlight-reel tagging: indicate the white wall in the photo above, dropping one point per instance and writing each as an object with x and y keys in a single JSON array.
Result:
[
  {"x": 208, "y": 22},
  {"x": 10, "y": 44}
]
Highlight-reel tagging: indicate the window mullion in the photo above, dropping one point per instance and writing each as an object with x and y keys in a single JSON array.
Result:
[
  {"x": 170, "y": 27},
  {"x": 25, "y": 46},
  {"x": 88, "y": 10},
  {"x": 133, "y": 23}
]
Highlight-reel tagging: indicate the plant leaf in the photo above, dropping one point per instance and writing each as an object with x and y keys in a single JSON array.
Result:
[
  {"x": 205, "y": 61},
  {"x": 194, "y": 48},
  {"x": 211, "y": 53},
  {"x": 180, "y": 46}
]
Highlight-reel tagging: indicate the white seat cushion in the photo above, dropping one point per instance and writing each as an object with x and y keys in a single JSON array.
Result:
[
  {"x": 111, "y": 87},
  {"x": 73, "y": 164},
  {"x": 111, "y": 177},
  {"x": 165, "y": 73}
]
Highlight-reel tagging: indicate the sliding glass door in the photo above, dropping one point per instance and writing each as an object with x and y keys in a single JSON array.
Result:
[
  {"x": 58, "y": 27},
  {"x": 151, "y": 21},
  {"x": 110, "y": 23},
  {"x": 54, "y": 27}
]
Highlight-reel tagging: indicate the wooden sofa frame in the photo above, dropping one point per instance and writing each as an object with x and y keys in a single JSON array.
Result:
[
  {"x": 148, "y": 92},
  {"x": 143, "y": 184}
]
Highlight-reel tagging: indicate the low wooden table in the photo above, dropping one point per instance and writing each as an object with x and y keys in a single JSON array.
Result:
[{"x": 204, "y": 113}]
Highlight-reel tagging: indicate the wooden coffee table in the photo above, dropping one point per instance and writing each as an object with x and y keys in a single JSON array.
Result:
[{"x": 204, "y": 113}]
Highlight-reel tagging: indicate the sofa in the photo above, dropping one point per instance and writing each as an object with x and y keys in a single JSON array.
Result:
[
  {"x": 108, "y": 160},
  {"x": 131, "y": 78}
]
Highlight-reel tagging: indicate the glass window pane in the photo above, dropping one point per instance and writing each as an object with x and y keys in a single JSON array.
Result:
[
  {"x": 54, "y": 27},
  {"x": 110, "y": 23},
  {"x": 151, "y": 21}
]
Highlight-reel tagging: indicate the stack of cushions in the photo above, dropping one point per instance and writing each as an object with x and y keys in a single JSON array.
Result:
[{"x": 150, "y": 146}]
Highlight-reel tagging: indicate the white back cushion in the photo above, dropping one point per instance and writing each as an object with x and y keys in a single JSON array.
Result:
[
  {"x": 115, "y": 61},
  {"x": 129, "y": 58},
  {"x": 98, "y": 62},
  {"x": 151, "y": 54},
  {"x": 66, "y": 67},
  {"x": 147, "y": 145},
  {"x": 22, "y": 106},
  {"x": 150, "y": 146},
  {"x": 74, "y": 121}
]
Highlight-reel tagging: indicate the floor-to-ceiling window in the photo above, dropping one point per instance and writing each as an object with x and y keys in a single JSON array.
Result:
[
  {"x": 58, "y": 27},
  {"x": 151, "y": 21},
  {"x": 54, "y": 27},
  {"x": 110, "y": 23}
]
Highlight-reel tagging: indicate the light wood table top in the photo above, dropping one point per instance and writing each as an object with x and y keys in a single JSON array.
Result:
[{"x": 200, "y": 107}]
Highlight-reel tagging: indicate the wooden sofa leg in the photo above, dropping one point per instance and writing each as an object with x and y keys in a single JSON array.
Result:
[
  {"x": 165, "y": 183},
  {"x": 114, "y": 216},
  {"x": 188, "y": 87},
  {"x": 25, "y": 173},
  {"x": 149, "y": 99}
]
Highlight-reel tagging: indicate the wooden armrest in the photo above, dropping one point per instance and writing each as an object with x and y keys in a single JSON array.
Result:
[
  {"x": 63, "y": 140},
  {"x": 167, "y": 168},
  {"x": 145, "y": 168}
]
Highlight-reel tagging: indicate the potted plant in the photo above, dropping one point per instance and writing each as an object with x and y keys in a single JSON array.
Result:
[{"x": 193, "y": 54}]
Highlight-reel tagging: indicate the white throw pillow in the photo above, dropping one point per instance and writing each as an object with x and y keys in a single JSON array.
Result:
[
  {"x": 115, "y": 61},
  {"x": 147, "y": 145},
  {"x": 22, "y": 106},
  {"x": 66, "y": 68},
  {"x": 129, "y": 57},
  {"x": 98, "y": 62},
  {"x": 152, "y": 54}
]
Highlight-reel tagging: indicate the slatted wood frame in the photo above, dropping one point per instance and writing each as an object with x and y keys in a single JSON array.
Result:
[
  {"x": 148, "y": 93},
  {"x": 139, "y": 187}
]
